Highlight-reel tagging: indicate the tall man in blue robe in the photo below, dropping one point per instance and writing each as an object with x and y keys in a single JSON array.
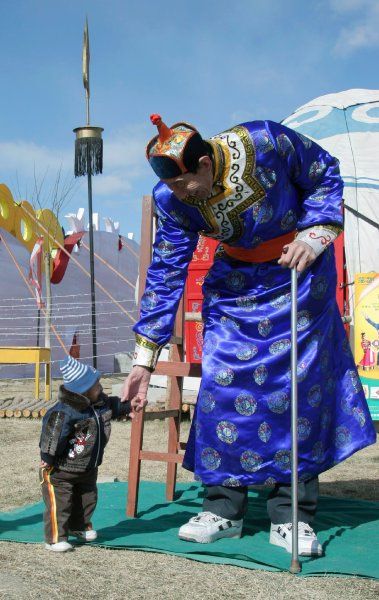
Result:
[{"x": 273, "y": 199}]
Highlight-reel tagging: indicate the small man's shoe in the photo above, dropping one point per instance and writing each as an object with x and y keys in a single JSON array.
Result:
[
  {"x": 89, "y": 535},
  {"x": 59, "y": 547},
  {"x": 281, "y": 535},
  {"x": 207, "y": 527}
]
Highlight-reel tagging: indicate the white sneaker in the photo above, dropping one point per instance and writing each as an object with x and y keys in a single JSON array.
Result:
[
  {"x": 89, "y": 535},
  {"x": 281, "y": 535},
  {"x": 59, "y": 547},
  {"x": 207, "y": 527}
]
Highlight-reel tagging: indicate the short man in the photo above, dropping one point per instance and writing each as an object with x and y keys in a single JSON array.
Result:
[{"x": 273, "y": 199}]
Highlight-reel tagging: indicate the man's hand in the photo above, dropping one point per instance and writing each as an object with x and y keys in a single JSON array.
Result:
[
  {"x": 135, "y": 388},
  {"x": 298, "y": 254}
]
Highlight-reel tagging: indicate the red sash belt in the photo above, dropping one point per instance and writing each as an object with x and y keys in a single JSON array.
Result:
[{"x": 269, "y": 250}]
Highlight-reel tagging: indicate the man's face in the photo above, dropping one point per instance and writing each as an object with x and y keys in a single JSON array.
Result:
[{"x": 197, "y": 185}]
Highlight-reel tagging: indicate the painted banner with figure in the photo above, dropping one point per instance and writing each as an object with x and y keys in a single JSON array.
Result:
[{"x": 366, "y": 336}]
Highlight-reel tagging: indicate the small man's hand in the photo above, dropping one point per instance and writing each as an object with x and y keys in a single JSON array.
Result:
[
  {"x": 298, "y": 254},
  {"x": 137, "y": 404},
  {"x": 44, "y": 464}
]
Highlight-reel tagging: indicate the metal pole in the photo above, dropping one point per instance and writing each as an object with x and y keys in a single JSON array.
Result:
[
  {"x": 91, "y": 258},
  {"x": 38, "y": 325},
  {"x": 295, "y": 565},
  {"x": 48, "y": 311}
]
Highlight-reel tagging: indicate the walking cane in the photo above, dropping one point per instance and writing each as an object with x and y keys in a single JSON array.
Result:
[{"x": 295, "y": 565}]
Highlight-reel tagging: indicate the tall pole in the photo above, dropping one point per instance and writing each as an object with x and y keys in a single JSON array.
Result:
[
  {"x": 295, "y": 565},
  {"x": 46, "y": 256},
  {"x": 89, "y": 161},
  {"x": 92, "y": 265}
]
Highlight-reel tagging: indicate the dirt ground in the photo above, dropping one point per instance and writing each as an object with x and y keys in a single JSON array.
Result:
[{"x": 28, "y": 571}]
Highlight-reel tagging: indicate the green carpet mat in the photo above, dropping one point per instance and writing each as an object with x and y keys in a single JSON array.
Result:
[{"x": 347, "y": 529}]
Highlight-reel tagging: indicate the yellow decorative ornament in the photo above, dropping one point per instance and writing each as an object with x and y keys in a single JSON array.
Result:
[{"x": 26, "y": 224}]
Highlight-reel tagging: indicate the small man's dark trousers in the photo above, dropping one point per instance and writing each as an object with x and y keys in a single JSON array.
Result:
[{"x": 70, "y": 500}]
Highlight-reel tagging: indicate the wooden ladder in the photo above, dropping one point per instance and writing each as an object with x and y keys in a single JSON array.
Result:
[{"x": 175, "y": 369}]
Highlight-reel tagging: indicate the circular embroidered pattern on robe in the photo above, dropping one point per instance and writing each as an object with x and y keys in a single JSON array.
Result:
[
  {"x": 314, "y": 396},
  {"x": 282, "y": 460},
  {"x": 302, "y": 370},
  {"x": 316, "y": 169},
  {"x": 318, "y": 452},
  {"x": 359, "y": 415},
  {"x": 303, "y": 429},
  {"x": 235, "y": 281},
  {"x": 347, "y": 404},
  {"x": 224, "y": 376},
  {"x": 306, "y": 141},
  {"x": 210, "y": 459},
  {"x": 165, "y": 248},
  {"x": 210, "y": 342},
  {"x": 289, "y": 220},
  {"x": 319, "y": 285},
  {"x": 279, "y": 347},
  {"x": 262, "y": 211},
  {"x": 278, "y": 402},
  {"x": 304, "y": 319},
  {"x": 355, "y": 381},
  {"x": 206, "y": 402},
  {"x": 260, "y": 374},
  {"x": 264, "y": 432},
  {"x": 211, "y": 297},
  {"x": 229, "y": 323},
  {"x": 250, "y": 461},
  {"x": 321, "y": 194},
  {"x": 227, "y": 432},
  {"x": 267, "y": 177},
  {"x": 149, "y": 301},
  {"x": 285, "y": 147},
  {"x": 231, "y": 482},
  {"x": 173, "y": 280},
  {"x": 264, "y": 327},
  {"x": 151, "y": 329},
  {"x": 246, "y": 351},
  {"x": 247, "y": 303},
  {"x": 280, "y": 301},
  {"x": 342, "y": 437},
  {"x": 262, "y": 141},
  {"x": 245, "y": 404}
]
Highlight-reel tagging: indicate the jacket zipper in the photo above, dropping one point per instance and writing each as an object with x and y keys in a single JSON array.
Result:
[{"x": 98, "y": 436}]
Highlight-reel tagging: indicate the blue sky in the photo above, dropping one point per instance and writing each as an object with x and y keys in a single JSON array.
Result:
[{"x": 212, "y": 63}]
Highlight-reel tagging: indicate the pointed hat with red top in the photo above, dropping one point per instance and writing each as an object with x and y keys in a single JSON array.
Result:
[{"x": 175, "y": 150}]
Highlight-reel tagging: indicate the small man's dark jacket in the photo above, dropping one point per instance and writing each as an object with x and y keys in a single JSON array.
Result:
[{"x": 75, "y": 432}]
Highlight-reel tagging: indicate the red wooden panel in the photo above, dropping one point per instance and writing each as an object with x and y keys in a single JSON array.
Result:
[{"x": 201, "y": 262}]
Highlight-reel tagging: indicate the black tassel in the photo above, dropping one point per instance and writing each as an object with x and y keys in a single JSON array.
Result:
[{"x": 88, "y": 156}]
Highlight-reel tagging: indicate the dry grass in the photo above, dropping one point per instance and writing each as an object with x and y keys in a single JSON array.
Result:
[{"x": 28, "y": 571}]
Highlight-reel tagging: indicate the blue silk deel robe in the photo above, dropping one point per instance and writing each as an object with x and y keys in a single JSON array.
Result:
[{"x": 269, "y": 181}]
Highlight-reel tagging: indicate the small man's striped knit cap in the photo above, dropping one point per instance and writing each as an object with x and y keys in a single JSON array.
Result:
[{"x": 77, "y": 377}]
